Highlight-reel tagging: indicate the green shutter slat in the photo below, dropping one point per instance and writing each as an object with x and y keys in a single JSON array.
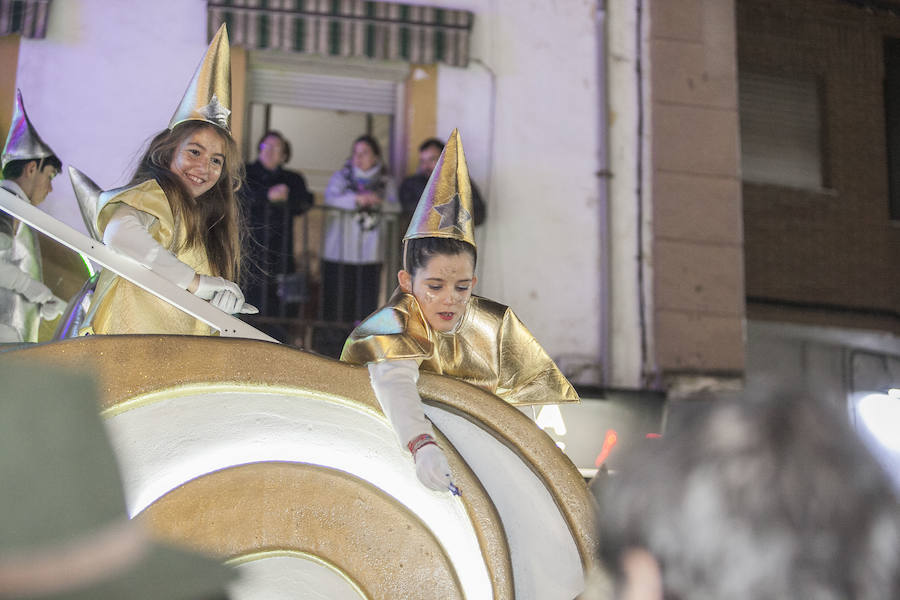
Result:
[
  {"x": 404, "y": 42},
  {"x": 334, "y": 38},
  {"x": 262, "y": 31},
  {"x": 440, "y": 44},
  {"x": 369, "y": 44},
  {"x": 18, "y": 15},
  {"x": 299, "y": 34}
]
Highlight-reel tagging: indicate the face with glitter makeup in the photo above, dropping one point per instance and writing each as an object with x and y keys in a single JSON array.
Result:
[
  {"x": 442, "y": 287},
  {"x": 199, "y": 160}
]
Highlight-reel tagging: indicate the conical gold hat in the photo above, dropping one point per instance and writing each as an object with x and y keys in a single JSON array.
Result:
[
  {"x": 23, "y": 142},
  {"x": 445, "y": 208},
  {"x": 208, "y": 97}
]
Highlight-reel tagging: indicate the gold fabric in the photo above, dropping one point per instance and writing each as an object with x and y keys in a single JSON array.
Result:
[
  {"x": 123, "y": 307},
  {"x": 208, "y": 96},
  {"x": 445, "y": 207},
  {"x": 490, "y": 348}
]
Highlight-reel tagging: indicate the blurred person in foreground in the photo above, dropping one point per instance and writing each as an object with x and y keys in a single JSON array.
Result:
[
  {"x": 761, "y": 498},
  {"x": 64, "y": 532}
]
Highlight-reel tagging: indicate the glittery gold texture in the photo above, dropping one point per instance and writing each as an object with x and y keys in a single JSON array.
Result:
[
  {"x": 445, "y": 207},
  {"x": 490, "y": 349}
]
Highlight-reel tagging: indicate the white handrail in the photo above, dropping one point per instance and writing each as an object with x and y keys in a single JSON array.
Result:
[{"x": 128, "y": 268}]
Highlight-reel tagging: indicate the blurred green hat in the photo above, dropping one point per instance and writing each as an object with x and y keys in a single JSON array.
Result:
[{"x": 64, "y": 532}]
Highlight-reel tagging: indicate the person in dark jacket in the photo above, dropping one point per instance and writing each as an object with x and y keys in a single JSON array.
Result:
[{"x": 274, "y": 196}]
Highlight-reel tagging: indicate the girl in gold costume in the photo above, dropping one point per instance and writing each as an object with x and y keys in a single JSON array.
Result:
[
  {"x": 179, "y": 215},
  {"x": 434, "y": 323}
]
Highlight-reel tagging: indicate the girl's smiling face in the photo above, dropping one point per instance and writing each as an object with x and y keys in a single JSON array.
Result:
[
  {"x": 198, "y": 161},
  {"x": 442, "y": 287}
]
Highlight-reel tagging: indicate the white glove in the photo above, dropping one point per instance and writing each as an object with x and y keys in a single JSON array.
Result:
[
  {"x": 33, "y": 290},
  {"x": 207, "y": 286},
  {"x": 52, "y": 308},
  {"x": 432, "y": 468},
  {"x": 225, "y": 300}
]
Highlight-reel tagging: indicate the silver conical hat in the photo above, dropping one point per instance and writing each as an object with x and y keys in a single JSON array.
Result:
[
  {"x": 88, "y": 195},
  {"x": 23, "y": 142}
]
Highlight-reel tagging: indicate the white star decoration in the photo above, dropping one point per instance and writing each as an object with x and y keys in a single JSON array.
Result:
[
  {"x": 452, "y": 214},
  {"x": 215, "y": 112}
]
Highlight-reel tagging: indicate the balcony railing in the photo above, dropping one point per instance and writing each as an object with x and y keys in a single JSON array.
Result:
[{"x": 303, "y": 312}]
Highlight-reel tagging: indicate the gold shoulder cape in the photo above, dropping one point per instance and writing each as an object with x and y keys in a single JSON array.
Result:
[
  {"x": 120, "y": 306},
  {"x": 490, "y": 348}
]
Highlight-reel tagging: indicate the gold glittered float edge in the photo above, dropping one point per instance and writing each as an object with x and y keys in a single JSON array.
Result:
[{"x": 273, "y": 508}]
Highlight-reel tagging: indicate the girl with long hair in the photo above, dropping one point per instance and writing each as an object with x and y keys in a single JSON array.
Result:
[{"x": 179, "y": 215}]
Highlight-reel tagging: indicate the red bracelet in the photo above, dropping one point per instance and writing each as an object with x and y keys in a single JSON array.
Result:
[{"x": 416, "y": 443}]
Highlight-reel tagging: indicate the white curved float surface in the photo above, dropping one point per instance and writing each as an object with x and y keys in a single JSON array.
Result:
[
  {"x": 545, "y": 561},
  {"x": 169, "y": 439}
]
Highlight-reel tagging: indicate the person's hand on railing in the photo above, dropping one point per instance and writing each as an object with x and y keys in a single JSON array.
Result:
[
  {"x": 368, "y": 200},
  {"x": 278, "y": 193}
]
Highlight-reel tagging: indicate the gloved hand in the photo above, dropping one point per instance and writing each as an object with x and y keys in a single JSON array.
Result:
[
  {"x": 207, "y": 286},
  {"x": 226, "y": 300},
  {"x": 432, "y": 468},
  {"x": 52, "y": 308},
  {"x": 34, "y": 290}
]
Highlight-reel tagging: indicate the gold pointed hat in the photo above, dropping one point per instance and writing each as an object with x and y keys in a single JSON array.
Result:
[
  {"x": 445, "y": 207},
  {"x": 23, "y": 142},
  {"x": 208, "y": 97}
]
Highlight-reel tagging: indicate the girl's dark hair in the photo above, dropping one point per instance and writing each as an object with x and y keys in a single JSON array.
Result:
[
  {"x": 213, "y": 220},
  {"x": 369, "y": 141},
  {"x": 419, "y": 251}
]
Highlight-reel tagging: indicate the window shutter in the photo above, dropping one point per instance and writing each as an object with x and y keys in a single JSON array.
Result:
[{"x": 780, "y": 130}]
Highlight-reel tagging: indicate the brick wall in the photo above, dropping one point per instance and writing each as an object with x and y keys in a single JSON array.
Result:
[
  {"x": 830, "y": 256},
  {"x": 698, "y": 291}
]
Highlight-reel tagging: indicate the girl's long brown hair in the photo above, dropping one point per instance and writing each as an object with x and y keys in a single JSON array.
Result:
[{"x": 213, "y": 220}]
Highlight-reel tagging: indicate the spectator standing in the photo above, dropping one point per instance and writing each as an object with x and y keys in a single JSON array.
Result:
[
  {"x": 354, "y": 242},
  {"x": 274, "y": 196}
]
